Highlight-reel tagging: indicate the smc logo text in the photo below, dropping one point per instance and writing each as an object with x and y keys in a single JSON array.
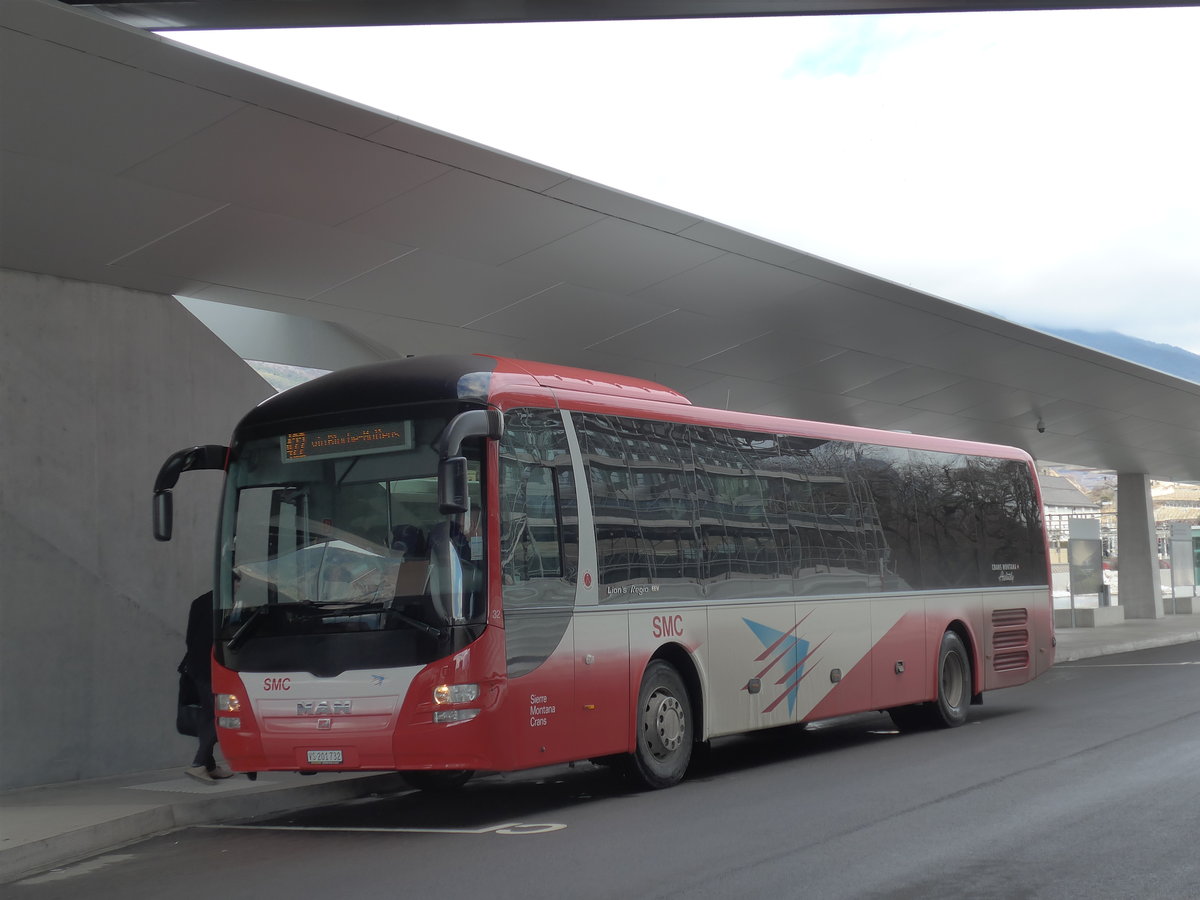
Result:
[{"x": 667, "y": 626}]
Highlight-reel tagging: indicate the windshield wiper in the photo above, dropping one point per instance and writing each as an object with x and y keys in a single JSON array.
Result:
[
  {"x": 243, "y": 632},
  {"x": 328, "y": 611},
  {"x": 417, "y": 623}
]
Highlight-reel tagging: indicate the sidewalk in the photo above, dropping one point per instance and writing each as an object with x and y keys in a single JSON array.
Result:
[
  {"x": 1132, "y": 634},
  {"x": 52, "y": 825}
]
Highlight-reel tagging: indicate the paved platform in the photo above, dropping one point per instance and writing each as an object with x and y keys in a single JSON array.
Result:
[
  {"x": 54, "y": 825},
  {"x": 1131, "y": 634}
]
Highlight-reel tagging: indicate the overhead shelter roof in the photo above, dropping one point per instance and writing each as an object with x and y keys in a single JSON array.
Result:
[
  {"x": 130, "y": 160},
  {"x": 164, "y": 14}
]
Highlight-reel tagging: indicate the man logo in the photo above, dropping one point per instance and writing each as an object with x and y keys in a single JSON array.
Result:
[{"x": 324, "y": 708}]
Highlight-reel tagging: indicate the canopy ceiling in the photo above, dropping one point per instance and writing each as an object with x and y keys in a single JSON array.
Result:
[
  {"x": 133, "y": 161},
  {"x": 163, "y": 14}
]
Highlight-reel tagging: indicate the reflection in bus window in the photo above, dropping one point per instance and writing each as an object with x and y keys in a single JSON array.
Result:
[{"x": 539, "y": 536}]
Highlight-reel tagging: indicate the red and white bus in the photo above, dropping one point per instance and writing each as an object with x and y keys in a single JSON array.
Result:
[{"x": 451, "y": 564}]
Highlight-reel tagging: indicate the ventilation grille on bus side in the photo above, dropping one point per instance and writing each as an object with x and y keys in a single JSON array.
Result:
[
  {"x": 1007, "y": 640},
  {"x": 1010, "y": 639},
  {"x": 1006, "y": 618}
]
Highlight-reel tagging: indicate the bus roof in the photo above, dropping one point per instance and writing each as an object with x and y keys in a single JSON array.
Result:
[
  {"x": 484, "y": 379},
  {"x": 578, "y": 389},
  {"x": 590, "y": 382}
]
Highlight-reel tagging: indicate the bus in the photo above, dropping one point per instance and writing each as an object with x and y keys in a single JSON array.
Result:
[{"x": 446, "y": 565}]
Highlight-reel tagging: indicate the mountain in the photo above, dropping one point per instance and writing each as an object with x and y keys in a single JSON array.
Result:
[
  {"x": 1163, "y": 357},
  {"x": 281, "y": 376}
]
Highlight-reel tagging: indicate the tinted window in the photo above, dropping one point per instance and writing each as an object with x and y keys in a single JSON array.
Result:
[
  {"x": 1013, "y": 549},
  {"x": 743, "y": 522},
  {"x": 644, "y": 506},
  {"x": 888, "y": 515},
  {"x": 539, "y": 535},
  {"x": 697, "y": 511},
  {"x": 978, "y": 520},
  {"x": 836, "y": 524},
  {"x": 538, "y": 522}
]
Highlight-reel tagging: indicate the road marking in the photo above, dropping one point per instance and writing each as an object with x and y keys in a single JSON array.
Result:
[
  {"x": 84, "y": 868},
  {"x": 1128, "y": 665},
  {"x": 508, "y": 828}
]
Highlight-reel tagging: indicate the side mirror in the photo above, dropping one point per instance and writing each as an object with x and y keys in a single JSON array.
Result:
[
  {"x": 453, "y": 495},
  {"x": 203, "y": 456},
  {"x": 485, "y": 423},
  {"x": 163, "y": 516}
]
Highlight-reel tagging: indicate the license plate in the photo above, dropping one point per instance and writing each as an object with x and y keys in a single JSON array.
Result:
[{"x": 325, "y": 757}]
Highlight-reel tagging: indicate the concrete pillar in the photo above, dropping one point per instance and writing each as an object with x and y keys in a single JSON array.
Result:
[
  {"x": 98, "y": 385},
  {"x": 1140, "y": 588}
]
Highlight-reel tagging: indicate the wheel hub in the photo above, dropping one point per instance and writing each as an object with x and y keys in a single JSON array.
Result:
[
  {"x": 665, "y": 721},
  {"x": 953, "y": 683}
]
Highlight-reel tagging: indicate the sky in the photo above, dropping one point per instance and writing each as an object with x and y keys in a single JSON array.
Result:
[{"x": 1040, "y": 166}]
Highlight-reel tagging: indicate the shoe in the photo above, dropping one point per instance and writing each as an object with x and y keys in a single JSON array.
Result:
[
  {"x": 220, "y": 772},
  {"x": 200, "y": 774}
]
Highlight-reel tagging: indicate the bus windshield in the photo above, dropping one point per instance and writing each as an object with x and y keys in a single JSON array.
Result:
[{"x": 337, "y": 532}]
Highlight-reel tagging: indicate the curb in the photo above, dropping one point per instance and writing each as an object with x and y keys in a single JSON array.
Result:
[
  {"x": 1124, "y": 646},
  {"x": 61, "y": 849}
]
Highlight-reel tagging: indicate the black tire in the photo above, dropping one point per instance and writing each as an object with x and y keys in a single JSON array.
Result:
[
  {"x": 438, "y": 781},
  {"x": 949, "y": 710},
  {"x": 954, "y": 683},
  {"x": 664, "y": 728}
]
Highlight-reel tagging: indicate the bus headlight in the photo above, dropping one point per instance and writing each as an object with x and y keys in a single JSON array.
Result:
[
  {"x": 229, "y": 722},
  {"x": 455, "y": 693},
  {"x": 228, "y": 703}
]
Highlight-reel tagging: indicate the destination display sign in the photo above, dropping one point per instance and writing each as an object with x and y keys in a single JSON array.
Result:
[{"x": 354, "y": 440}]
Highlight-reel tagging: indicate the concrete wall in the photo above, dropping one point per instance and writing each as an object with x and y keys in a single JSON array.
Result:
[{"x": 97, "y": 386}]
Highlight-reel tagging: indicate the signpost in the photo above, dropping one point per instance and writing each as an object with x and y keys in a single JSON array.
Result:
[{"x": 1084, "y": 556}]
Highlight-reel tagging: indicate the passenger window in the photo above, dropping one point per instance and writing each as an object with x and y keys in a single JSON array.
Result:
[
  {"x": 742, "y": 517},
  {"x": 644, "y": 504}
]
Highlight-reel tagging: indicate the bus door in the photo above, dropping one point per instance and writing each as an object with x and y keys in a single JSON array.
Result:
[{"x": 537, "y": 561}]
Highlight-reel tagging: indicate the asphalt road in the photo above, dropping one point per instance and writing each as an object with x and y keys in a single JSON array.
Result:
[{"x": 1083, "y": 784}]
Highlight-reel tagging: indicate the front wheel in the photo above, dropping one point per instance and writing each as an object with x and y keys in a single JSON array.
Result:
[{"x": 664, "y": 728}]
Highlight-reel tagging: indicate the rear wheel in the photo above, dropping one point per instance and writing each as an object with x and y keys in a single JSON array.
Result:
[
  {"x": 949, "y": 710},
  {"x": 664, "y": 728},
  {"x": 954, "y": 683}
]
